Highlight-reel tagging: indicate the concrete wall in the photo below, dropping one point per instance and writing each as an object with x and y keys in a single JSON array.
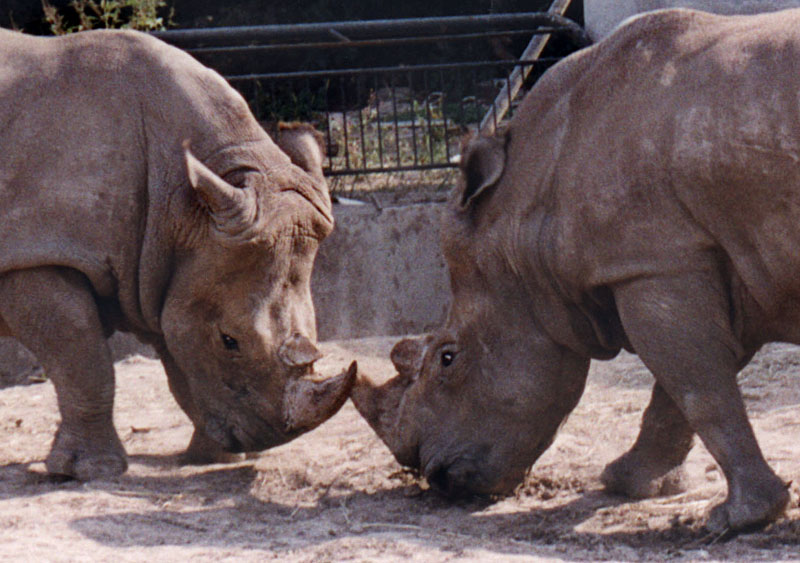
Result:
[
  {"x": 380, "y": 273},
  {"x": 602, "y": 16}
]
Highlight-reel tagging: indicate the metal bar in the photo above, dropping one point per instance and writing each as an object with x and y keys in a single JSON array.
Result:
[
  {"x": 428, "y": 116},
  {"x": 328, "y": 136},
  {"x": 344, "y": 127},
  {"x": 393, "y": 87},
  {"x": 532, "y": 52},
  {"x": 444, "y": 116},
  {"x": 361, "y": 128},
  {"x": 250, "y": 49},
  {"x": 510, "y": 98},
  {"x": 413, "y": 119},
  {"x": 378, "y": 121},
  {"x": 435, "y": 166},
  {"x": 351, "y": 29},
  {"x": 384, "y": 69}
]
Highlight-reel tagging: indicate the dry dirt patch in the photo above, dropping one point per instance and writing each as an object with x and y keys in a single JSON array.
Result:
[{"x": 337, "y": 494}]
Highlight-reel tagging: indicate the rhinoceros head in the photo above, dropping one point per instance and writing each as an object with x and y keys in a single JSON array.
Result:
[
  {"x": 475, "y": 403},
  {"x": 237, "y": 318}
]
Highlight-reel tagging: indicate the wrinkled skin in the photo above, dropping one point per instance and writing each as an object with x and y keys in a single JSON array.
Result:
[
  {"x": 645, "y": 196},
  {"x": 138, "y": 193}
]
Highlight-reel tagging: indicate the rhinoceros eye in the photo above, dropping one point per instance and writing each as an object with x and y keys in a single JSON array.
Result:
[
  {"x": 447, "y": 358},
  {"x": 239, "y": 177},
  {"x": 229, "y": 342}
]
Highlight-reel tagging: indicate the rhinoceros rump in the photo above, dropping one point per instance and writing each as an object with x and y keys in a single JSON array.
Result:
[
  {"x": 138, "y": 193},
  {"x": 646, "y": 196}
]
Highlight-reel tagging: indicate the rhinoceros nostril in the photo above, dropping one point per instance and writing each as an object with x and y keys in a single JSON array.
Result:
[
  {"x": 457, "y": 480},
  {"x": 438, "y": 480}
]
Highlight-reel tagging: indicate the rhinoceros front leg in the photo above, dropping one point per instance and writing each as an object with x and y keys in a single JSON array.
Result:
[
  {"x": 201, "y": 449},
  {"x": 53, "y": 313},
  {"x": 680, "y": 327},
  {"x": 654, "y": 465}
]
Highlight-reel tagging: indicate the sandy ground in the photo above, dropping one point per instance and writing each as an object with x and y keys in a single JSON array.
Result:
[{"x": 336, "y": 493}]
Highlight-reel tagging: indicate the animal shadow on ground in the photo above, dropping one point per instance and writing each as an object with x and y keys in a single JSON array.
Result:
[
  {"x": 25, "y": 479},
  {"x": 221, "y": 506},
  {"x": 241, "y": 507}
]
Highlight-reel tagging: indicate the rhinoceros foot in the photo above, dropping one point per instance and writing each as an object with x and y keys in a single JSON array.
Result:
[
  {"x": 637, "y": 476},
  {"x": 87, "y": 456},
  {"x": 750, "y": 508},
  {"x": 203, "y": 450}
]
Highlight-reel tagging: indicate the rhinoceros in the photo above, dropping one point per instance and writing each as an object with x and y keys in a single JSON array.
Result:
[
  {"x": 645, "y": 196},
  {"x": 138, "y": 193}
]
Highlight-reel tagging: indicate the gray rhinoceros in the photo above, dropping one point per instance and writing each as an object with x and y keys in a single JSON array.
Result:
[
  {"x": 645, "y": 196},
  {"x": 108, "y": 221}
]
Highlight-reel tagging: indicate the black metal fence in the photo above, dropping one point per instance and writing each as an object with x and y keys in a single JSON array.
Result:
[{"x": 403, "y": 91}]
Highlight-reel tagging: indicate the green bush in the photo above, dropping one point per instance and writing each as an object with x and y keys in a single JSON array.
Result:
[{"x": 82, "y": 15}]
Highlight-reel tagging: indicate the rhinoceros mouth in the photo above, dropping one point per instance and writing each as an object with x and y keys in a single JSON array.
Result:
[
  {"x": 309, "y": 400},
  {"x": 477, "y": 471},
  {"x": 459, "y": 477},
  {"x": 236, "y": 438}
]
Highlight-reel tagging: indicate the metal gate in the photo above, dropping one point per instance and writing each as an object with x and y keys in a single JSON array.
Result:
[{"x": 398, "y": 115}]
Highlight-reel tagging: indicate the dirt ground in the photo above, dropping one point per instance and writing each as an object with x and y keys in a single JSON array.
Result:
[{"x": 336, "y": 493}]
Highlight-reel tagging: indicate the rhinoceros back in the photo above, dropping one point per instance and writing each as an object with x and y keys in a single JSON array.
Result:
[
  {"x": 680, "y": 131},
  {"x": 91, "y": 127}
]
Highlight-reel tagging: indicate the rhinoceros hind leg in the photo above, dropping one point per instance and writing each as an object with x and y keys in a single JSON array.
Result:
[
  {"x": 751, "y": 507},
  {"x": 653, "y": 466},
  {"x": 52, "y": 311},
  {"x": 680, "y": 325},
  {"x": 203, "y": 450}
]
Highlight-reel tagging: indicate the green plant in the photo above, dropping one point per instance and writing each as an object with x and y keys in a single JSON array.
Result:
[{"x": 83, "y": 15}]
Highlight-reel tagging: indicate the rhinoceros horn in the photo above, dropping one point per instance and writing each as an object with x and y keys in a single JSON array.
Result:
[
  {"x": 233, "y": 209},
  {"x": 379, "y": 401},
  {"x": 309, "y": 401}
]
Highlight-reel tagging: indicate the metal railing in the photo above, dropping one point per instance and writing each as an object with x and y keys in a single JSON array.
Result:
[{"x": 380, "y": 118}]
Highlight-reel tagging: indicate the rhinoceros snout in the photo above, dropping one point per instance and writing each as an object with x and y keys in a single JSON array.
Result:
[
  {"x": 454, "y": 479},
  {"x": 469, "y": 474},
  {"x": 452, "y": 482}
]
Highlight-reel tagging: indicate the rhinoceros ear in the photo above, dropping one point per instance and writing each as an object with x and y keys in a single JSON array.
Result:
[
  {"x": 482, "y": 162},
  {"x": 232, "y": 208},
  {"x": 407, "y": 356},
  {"x": 303, "y": 144}
]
